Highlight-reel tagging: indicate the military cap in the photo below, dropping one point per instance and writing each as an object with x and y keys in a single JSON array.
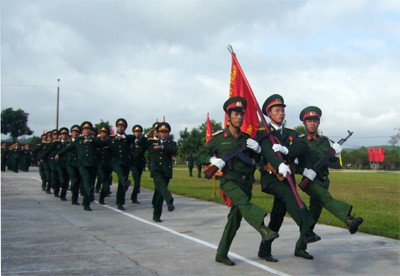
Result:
[
  {"x": 104, "y": 129},
  {"x": 310, "y": 112},
  {"x": 137, "y": 128},
  {"x": 55, "y": 131},
  {"x": 64, "y": 130},
  {"x": 155, "y": 125},
  {"x": 43, "y": 135},
  {"x": 235, "y": 103},
  {"x": 271, "y": 101},
  {"x": 163, "y": 127},
  {"x": 76, "y": 128},
  {"x": 86, "y": 124},
  {"x": 48, "y": 133},
  {"x": 121, "y": 121}
]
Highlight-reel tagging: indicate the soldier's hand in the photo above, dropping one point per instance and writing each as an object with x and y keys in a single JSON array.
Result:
[
  {"x": 338, "y": 149},
  {"x": 57, "y": 157},
  {"x": 310, "y": 174},
  {"x": 284, "y": 169},
  {"x": 252, "y": 144},
  {"x": 159, "y": 147},
  {"x": 218, "y": 162},
  {"x": 278, "y": 147}
]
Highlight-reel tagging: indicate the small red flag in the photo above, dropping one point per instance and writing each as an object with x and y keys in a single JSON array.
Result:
[
  {"x": 208, "y": 129},
  {"x": 239, "y": 86},
  {"x": 376, "y": 155},
  {"x": 371, "y": 154},
  {"x": 381, "y": 155}
]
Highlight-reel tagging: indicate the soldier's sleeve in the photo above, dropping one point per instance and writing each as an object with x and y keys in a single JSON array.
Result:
[
  {"x": 297, "y": 146},
  {"x": 46, "y": 153},
  {"x": 67, "y": 148},
  {"x": 208, "y": 151},
  {"x": 171, "y": 147},
  {"x": 269, "y": 155}
]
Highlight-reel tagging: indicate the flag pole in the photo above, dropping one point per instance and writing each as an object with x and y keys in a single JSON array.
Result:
[{"x": 267, "y": 129}]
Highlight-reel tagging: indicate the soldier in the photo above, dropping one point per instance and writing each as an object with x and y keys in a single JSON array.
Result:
[
  {"x": 4, "y": 156},
  {"x": 291, "y": 147},
  {"x": 25, "y": 158},
  {"x": 138, "y": 160},
  {"x": 14, "y": 157},
  {"x": 198, "y": 165},
  {"x": 237, "y": 179},
  {"x": 85, "y": 147},
  {"x": 37, "y": 152},
  {"x": 190, "y": 163},
  {"x": 120, "y": 158},
  {"x": 72, "y": 166},
  {"x": 104, "y": 170},
  {"x": 318, "y": 189},
  {"x": 161, "y": 152}
]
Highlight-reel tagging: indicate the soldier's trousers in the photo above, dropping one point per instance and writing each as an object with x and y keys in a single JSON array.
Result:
[
  {"x": 284, "y": 201},
  {"x": 63, "y": 180},
  {"x": 137, "y": 175},
  {"x": 75, "y": 178},
  {"x": 104, "y": 172},
  {"x": 42, "y": 173},
  {"x": 161, "y": 192},
  {"x": 239, "y": 191},
  {"x": 123, "y": 174},
  {"x": 88, "y": 175}
]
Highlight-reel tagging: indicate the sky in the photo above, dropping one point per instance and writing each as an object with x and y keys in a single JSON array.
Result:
[{"x": 146, "y": 60}]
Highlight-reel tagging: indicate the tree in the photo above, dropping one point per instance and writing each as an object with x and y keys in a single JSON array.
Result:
[
  {"x": 300, "y": 129},
  {"x": 191, "y": 142},
  {"x": 105, "y": 124},
  {"x": 15, "y": 123},
  {"x": 395, "y": 139}
]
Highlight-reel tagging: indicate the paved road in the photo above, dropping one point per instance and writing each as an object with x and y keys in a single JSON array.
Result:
[{"x": 40, "y": 235}]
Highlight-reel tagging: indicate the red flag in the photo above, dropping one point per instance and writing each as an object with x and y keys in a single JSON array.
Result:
[
  {"x": 239, "y": 86},
  {"x": 376, "y": 155},
  {"x": 371, "y": 154},
  {"x": 381, "y": 156},
  {"x": 208, "y": 129}
]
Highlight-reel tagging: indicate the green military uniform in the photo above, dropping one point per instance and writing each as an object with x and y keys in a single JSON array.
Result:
[
  {"x": 14, "y": 156},
  {"x": 4, "y": 156},
  {"x": 85, "y": 148},
  {"x": 73, "y": 168},
  {"x": 320, "y": 197},
  {"x": 160, "y": 164},
  {"x": 120, "y": 159},
  {"x": 25, "y": 158},
  {"x": 284, "y": 199},
  {"x": 236, "y": 182},
  {"x": 104, "y": 170},
  {"x": 138, "y": 162},
  {"x": 42, "y": 169},
  {"x": 198, "y": 165},
  {"x": 190, "y": 163}
]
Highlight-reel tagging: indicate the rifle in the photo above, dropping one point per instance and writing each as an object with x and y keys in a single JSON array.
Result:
[
  {"x": 323, "y": 162},
  {"x": 227, "y": 157}
]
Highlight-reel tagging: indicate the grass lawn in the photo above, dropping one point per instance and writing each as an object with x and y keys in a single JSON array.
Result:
[{"x": 375, "y": 196}]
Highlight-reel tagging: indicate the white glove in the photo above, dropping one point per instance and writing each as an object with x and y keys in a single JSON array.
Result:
[
  {"x": 252, "y": 144},
  {"x": 310, "y": 174},
  {"x": 338, "y": 149},
  {"x": 278, "y": 147},
  {"x": 217, "y": 162},
  {"x": 284, "y": 169}
]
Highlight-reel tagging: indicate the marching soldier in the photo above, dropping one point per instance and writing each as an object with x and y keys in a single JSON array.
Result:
[
  {"x": 14, "y": 157},
  {"x": 55, "y": 178},
  {"x": 120, "y": 158},
  {"x": 104, "y": 170},
  {"x": 138, "y": 160},
  {"x": 42, "y": 169},
  {"x": 25, "y": 158},
  {"x": 318, "y": 189},
  {"x": 161, "y": 151},
  {"x": 237, "y": 179},
  {"x": 291, "y": 147},
  {"x": 85, "y": 147},
  {"x": 72, "y": 166}
]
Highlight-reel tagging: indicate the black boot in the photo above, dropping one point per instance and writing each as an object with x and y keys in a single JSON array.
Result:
[{"x": 353, "y": 224}]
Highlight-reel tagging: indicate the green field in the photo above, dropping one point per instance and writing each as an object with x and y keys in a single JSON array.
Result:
[{"x": 375, "y": 196}]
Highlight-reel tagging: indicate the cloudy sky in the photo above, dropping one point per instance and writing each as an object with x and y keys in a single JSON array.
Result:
[{"x": 143, "y": 60}]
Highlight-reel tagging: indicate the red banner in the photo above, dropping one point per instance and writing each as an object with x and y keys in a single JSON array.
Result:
[
  {"x": 239, "y": 86},
  {"x": 381, "y": 156},
  {"x": 371, "y": 154},
  {"x": 208, "y": 129}
]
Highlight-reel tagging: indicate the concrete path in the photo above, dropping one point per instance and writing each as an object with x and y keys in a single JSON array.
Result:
[{"x": 41, "y": 235}]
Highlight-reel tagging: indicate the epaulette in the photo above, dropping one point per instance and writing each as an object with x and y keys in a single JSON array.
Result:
[
  {"x": 290, "y": 128},
  {"x": 302, "y": 135},
  {"x": 153, "y": 138},
  {"x": 323, "y": 137},
  {"x": 217, "y": 132}
]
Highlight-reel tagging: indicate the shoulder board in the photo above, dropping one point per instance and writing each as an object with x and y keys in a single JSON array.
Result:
[
  {"x": 302, "y": 135},
  {"x": 323, "y": 137},
  {"x": 217, "y": 132},
  {"x": 288, "y": 128},
  {"x": 261, "y": 128}
]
